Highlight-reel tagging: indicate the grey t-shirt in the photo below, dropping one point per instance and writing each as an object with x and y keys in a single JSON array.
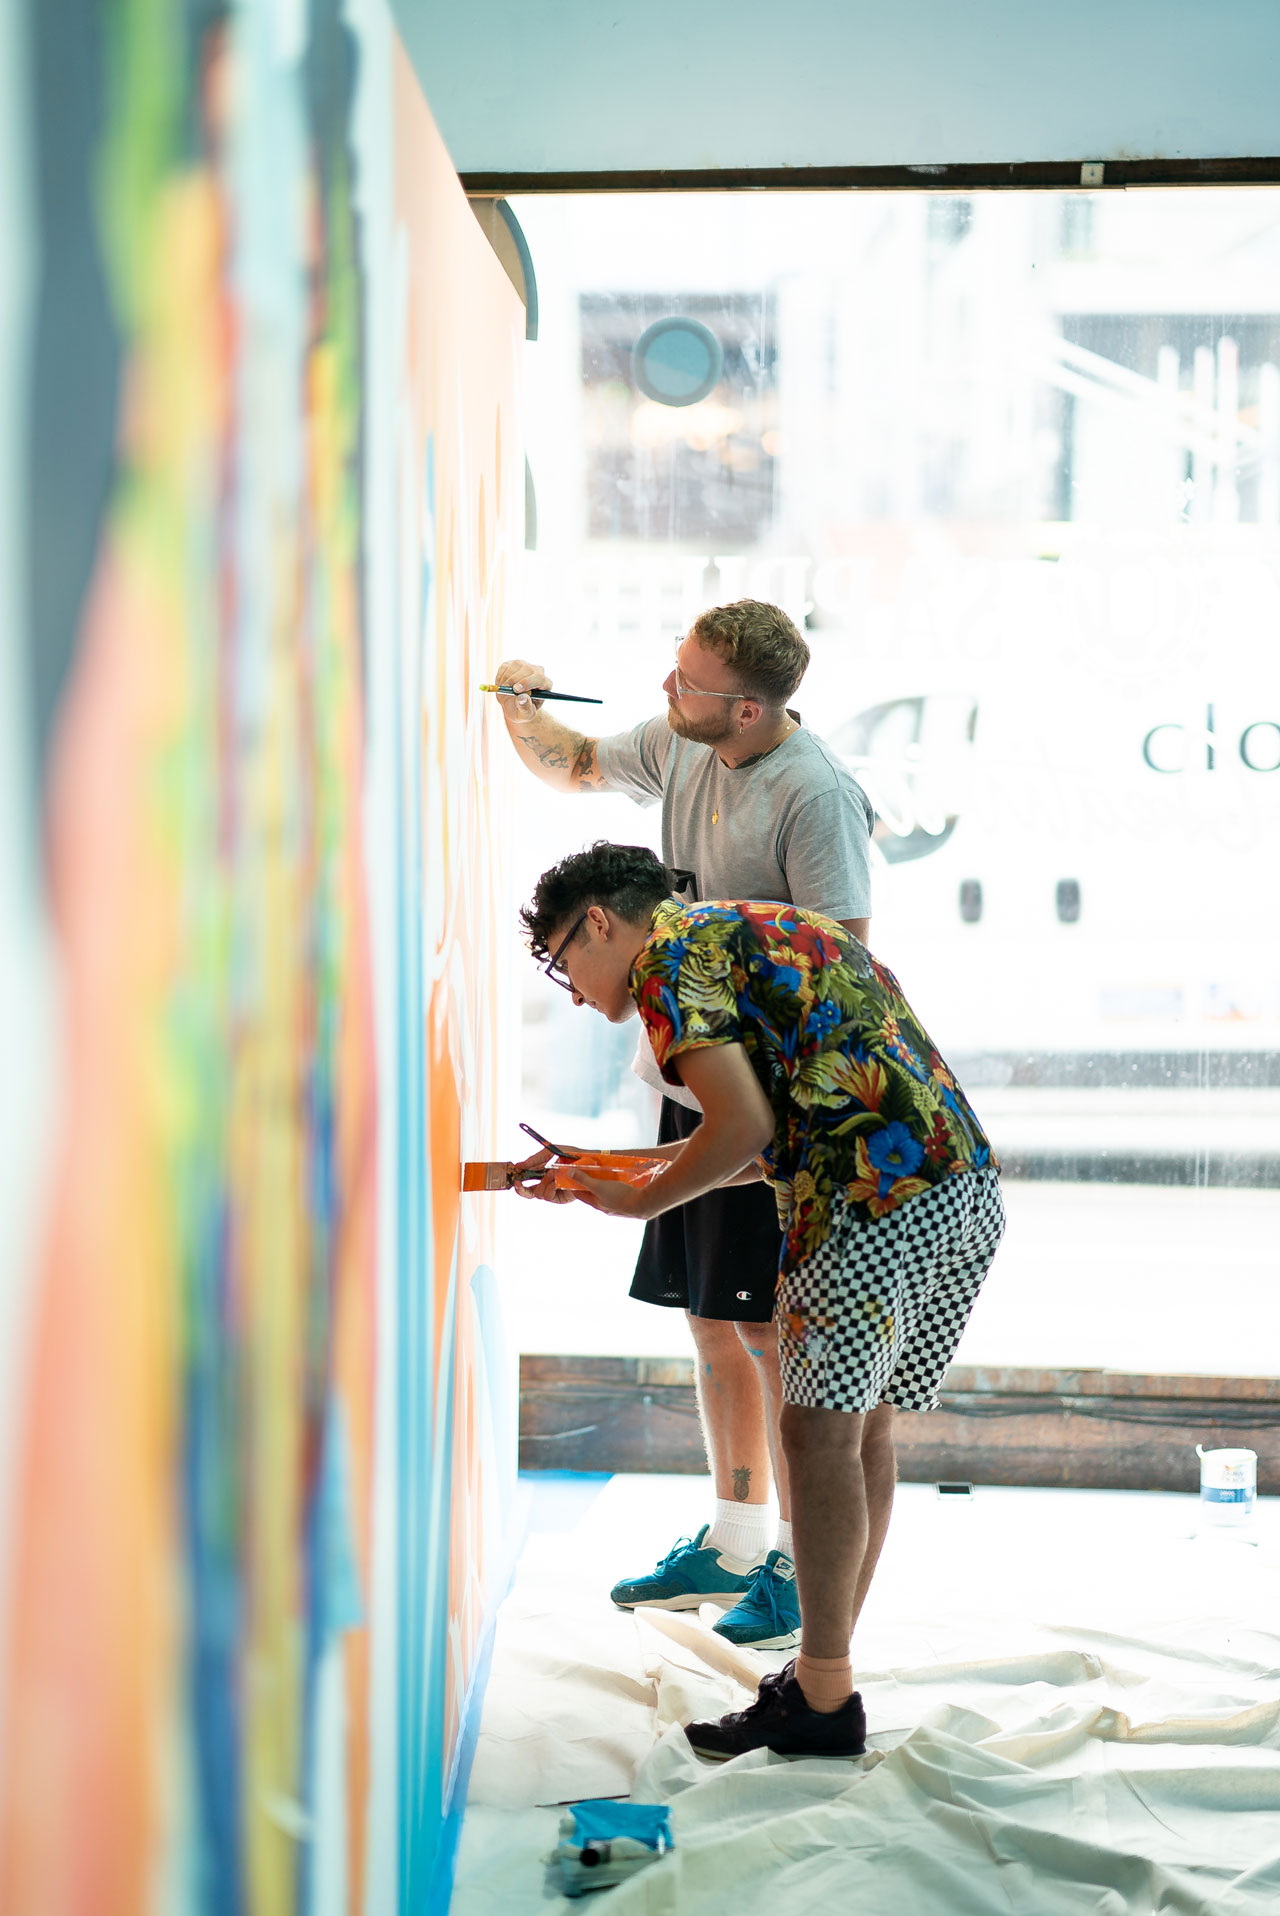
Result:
[{"x": 794, "y": 828}]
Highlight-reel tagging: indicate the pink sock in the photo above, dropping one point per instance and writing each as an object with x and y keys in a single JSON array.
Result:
[{"x": 827, "y": 1682}]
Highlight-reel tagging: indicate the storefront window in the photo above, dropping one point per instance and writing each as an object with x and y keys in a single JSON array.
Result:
[{"x": 1014, "y": 461}]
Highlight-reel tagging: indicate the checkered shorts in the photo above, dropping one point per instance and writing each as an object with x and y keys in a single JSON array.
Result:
[{"x": 875, "y": 1314}]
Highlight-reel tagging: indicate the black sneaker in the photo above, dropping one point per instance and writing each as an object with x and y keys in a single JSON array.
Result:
[{"x": 780, "y": 1720}]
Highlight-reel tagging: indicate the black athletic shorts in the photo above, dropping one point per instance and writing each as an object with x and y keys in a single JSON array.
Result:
[{"x": 716, "y": 1256}]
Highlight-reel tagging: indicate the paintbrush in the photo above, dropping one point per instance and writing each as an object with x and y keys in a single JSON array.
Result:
[
  {"x": 628, "y": 1166},
  {"x": 497, "y": 1177},
  {"x": 502, "y": 1176},
  {"x": 540, "y": 692}
]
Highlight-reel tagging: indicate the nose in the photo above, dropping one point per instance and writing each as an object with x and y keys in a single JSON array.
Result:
[
  {"x": 578, "y": 998},
  {"x": 669, "y": 684}
]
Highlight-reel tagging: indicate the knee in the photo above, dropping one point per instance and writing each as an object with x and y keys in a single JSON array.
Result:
[
  {"x": 760, "y": 1342},
  {"x": 715, "y": 1338},
  {"x": 808, "y": 1432}
]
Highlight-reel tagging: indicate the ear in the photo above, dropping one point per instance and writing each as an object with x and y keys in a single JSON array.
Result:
[
  {"x": 598, "y": 919},
  {"x": 749, "y": 711}
]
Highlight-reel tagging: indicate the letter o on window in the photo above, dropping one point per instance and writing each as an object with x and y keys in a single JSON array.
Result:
[{"x": 1246, "y": 749}]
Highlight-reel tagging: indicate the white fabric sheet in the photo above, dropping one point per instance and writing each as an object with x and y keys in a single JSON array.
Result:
[{"x": 1073, "y": 1703}]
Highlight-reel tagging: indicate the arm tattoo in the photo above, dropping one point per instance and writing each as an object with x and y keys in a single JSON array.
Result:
[
  {"x": 561, "y": 750},
  {"x": 741, "y": 1483},
  {"x": 549, "y": 753},
  {"x": 586, "y": 773}
]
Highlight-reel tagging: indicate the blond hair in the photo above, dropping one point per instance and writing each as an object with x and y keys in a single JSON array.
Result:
[{"x": 761, "y": 644}]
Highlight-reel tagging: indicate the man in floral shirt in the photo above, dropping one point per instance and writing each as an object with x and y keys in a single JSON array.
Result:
[
  {"x": 813, "y": 1071},
  {"x": 867, "y": 1113}
]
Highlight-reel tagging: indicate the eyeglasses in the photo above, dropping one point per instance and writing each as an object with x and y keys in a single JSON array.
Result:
[
  {"x": 552, "y": 966},
  {"x": 685, "y": 690}
]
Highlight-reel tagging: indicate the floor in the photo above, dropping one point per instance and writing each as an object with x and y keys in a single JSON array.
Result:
[{"x": 1073, "y": 1701}]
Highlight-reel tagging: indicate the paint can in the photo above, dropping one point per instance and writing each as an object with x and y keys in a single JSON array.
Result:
[{"x": 1228, "y": 1484}]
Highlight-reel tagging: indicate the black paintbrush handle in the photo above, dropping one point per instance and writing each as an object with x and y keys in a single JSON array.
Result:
[{"x": 570, "y": 698}]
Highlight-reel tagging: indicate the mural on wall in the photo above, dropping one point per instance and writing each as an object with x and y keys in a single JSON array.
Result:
[
  {"x": 212, "y": 1327},
  {"x": 460, "y": 507}
]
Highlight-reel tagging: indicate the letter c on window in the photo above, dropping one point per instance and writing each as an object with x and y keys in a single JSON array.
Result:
[{"x": 1146, "y": 749}]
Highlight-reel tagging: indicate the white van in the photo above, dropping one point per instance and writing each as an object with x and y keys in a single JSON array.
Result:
[{"x": 1077, "y": 786}]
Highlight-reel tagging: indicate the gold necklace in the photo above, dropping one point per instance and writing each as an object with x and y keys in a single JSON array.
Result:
[{"x": 756, "y": 757}]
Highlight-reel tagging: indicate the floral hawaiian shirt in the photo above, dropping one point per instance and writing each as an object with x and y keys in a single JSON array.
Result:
[{"x": 865, "y": 1109}]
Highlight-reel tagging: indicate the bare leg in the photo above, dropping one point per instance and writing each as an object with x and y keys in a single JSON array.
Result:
[
  {"x": 843, "y": 1472},
  {"x": 879, "y": 1478},
  {"x": 733, "y": 1414},
  {"x": 760, "y": 1341},
  {"x": 829, "y": 1522}
]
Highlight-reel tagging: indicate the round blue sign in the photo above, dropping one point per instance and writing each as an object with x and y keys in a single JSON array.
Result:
[{"x": 677, "y": 361}]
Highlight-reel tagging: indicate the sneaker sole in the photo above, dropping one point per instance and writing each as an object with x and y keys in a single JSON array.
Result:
[
  {"x": 788, "y": 1756},
  {"x": 688, "y": 1600},
  {"x": 787, "y": 1641}
]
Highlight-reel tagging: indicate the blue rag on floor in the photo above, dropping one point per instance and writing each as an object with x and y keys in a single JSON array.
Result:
[{"x": 600, "y": 1821}]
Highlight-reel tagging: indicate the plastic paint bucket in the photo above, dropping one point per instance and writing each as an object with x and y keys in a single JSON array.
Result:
[
  {"x": 1228, "y": 1484},
  {"x": 612, "y": 1167}
]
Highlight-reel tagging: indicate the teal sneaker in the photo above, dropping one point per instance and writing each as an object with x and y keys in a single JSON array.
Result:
[
  {"x": 767, "y": 1616},
  {"x": 686, "y": 1577}
]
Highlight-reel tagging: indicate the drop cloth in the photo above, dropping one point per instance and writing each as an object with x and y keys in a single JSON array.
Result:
[{"x": 1073, "y": 1703}]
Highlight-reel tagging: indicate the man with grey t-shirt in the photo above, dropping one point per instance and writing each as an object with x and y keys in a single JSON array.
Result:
[{"x": 754, "y": 806}]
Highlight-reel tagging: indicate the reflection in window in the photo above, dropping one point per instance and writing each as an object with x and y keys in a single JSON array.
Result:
[
  {"x": 1077, "y": 224},
  {"x": 950, "y": 217},
  {"x": 1067, "y": 899},
  {"x": 909, "y": 756},
  {"x": 1014, "y": 459},
  {"x": 705, "y": 471},
  {"x": 1207, "y": 385}
]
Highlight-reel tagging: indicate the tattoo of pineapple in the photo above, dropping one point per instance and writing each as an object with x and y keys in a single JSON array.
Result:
[{"x": 742, "y": 1483}]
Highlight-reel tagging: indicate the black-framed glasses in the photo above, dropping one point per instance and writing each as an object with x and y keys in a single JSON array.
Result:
[{"x": 552, "y": 966}]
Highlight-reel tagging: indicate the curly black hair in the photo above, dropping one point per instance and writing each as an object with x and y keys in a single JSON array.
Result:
[{"x": 629, "y": 879}]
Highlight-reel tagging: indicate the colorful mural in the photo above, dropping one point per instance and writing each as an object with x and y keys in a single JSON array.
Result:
[
  {"x": 252, "y": 1262},
  {"x": 460, "y": 490}
]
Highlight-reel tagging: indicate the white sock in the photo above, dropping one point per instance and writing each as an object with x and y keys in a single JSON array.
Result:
[
  {"x": 784, "y": 1540},
  {"x": 739, "y": 1530}
]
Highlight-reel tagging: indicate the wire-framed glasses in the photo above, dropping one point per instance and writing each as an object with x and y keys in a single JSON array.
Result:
[{"x": 684, "y": 689}]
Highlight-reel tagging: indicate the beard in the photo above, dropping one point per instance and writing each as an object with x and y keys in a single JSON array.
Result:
[{"x": 711, "y": 731}]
